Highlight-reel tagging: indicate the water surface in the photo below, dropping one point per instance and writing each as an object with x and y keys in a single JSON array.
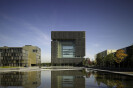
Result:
[{"x": 64, "y": 79}]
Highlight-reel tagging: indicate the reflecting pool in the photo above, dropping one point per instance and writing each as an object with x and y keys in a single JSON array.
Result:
[{"x": 64, "y": 79}]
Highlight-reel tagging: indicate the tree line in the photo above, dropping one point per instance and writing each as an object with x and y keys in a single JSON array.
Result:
[{"x": 118, "y": 59}]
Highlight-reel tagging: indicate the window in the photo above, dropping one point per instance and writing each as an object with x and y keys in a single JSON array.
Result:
[
  {"x": 34, "y": 50},
  {"x": 68, "y": 51}
]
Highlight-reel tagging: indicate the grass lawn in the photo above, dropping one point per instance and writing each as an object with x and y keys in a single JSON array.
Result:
[{"x": 10, "y": 67}]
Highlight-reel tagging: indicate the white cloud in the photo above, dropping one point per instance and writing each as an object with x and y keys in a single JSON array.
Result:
[
  {"x": 6, "y": 40},
  {"x": 40, "y": 36},
  {"x": 89, "y": 55},
  {"x": 96, "y": 45}
]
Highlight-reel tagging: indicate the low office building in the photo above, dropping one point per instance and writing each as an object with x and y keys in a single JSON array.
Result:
[
  {"x": 67, "y": 47},
  {"x": 105, "y": 53},
  {"x": 128, "y": 50},
  {"x": 20, "y": 56},
  {"x": 13, "y": 56},
  {"x": 34, "y": 55}
]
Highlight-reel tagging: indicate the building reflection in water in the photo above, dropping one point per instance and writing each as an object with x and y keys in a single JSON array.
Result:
[
  {"x": 67, "y": 79},
  {"x": 113, "y": 80},
  {"x": 20, "y": 79},
  {"x": 104, "y": 79},
  {"x": 64, "y": 79}
]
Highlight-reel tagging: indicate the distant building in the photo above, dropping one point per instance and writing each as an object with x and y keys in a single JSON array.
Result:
[
  {"x": 20, "y": 56},
  {"x": 128, "y": 50},
  {"x": 67, "y": 47},
  {"x": 105, "y": 53}
]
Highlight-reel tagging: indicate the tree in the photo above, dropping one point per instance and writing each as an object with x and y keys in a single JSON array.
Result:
[
  {"x": 93, "y": 62},
  {"x": 83, "y": 62},
  {"x": 99, "y": 60},
  {"x": 109, "y": 60},
  {"x": 120, "y": 55}
]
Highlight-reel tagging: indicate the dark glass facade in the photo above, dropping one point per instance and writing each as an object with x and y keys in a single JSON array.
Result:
[
  {"x": 13, "y": 56},
  {"x": 67, "y": 47}
]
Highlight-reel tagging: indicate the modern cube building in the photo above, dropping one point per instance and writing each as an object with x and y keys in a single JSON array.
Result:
[
  {"x": 20, "y": 56},
  {"x": 67, "y": 47}
]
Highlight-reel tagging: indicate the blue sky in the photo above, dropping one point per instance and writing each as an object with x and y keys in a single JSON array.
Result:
[{"x": 108, "y": 23}]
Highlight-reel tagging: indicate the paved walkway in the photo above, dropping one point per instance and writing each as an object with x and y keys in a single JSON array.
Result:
[
  {"x": 123, "y": 73},
  {"x": 20, "y": 69},
  {"x": 60, "y": 68},
  {"x": 63, "y": 67},
  {"x": 39, "y": 69}
]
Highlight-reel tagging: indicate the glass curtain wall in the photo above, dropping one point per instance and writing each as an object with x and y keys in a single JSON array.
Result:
[{"x": 67, "y": 49}]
